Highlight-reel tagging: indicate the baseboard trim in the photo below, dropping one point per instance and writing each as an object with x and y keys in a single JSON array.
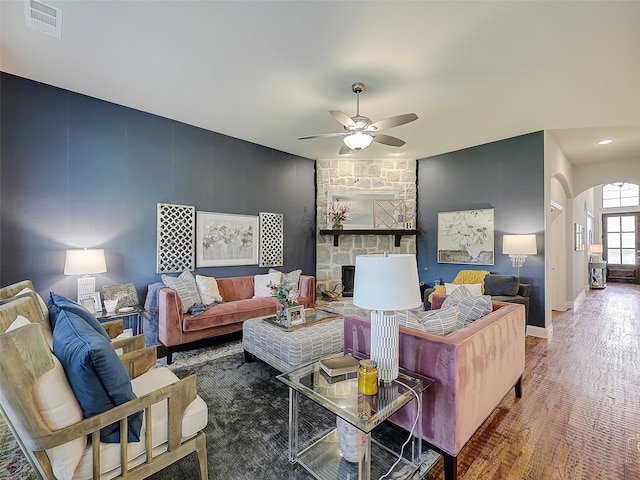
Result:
[{"x": 540, "y": 332}]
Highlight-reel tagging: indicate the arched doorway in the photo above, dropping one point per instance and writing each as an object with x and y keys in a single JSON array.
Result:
[{"x": 557, "y": 246}]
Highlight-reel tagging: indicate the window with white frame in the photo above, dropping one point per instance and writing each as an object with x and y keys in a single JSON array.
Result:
[
  {"x": 621, "y": 239},
  {"x": 620, "y": 194}
]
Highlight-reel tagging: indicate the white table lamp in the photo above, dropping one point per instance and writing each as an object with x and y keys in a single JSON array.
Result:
[
  {"x": 595, "y": 249},
  {"x": 84, "y": 262},
  {"x": 386, "y": 283}
]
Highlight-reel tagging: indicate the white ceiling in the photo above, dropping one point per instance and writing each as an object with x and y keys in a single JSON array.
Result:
[{"x": 269, "y": 71}]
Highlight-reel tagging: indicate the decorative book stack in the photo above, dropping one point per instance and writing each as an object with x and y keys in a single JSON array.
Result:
[{"x": 334, "y": 366}]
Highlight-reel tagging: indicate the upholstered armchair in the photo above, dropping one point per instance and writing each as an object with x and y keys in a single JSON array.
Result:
[{"x": 160, "y": 424}]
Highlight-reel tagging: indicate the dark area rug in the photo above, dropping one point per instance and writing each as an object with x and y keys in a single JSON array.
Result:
[{"x": 247, "y": 433}]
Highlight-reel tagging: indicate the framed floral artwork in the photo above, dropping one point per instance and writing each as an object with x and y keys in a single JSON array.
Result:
[
  {"x": 125, "y": 294},
  {"x": 224, "y": 239},
  {"x": 466, "y": 236}
]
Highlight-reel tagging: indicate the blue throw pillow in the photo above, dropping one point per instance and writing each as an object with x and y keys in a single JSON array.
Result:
[
  {"x": 56, "y": 302},
  {"x": 97, "y": 376}
]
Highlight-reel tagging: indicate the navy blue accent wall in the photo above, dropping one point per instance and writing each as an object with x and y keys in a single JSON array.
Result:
[
  {"x": 80, "y": 172},
  {"x": 506, "y": 175}
]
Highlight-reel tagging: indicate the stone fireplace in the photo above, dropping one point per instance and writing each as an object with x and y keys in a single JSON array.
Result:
[{"x": 393, "y": 178}]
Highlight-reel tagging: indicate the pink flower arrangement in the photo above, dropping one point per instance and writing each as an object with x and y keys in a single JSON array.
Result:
[
  {"x": 337, "y": 213},
  {"x": 287, "y": 295}
]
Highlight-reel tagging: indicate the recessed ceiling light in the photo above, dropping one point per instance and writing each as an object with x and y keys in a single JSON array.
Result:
[{"x": 605, "y": 142}]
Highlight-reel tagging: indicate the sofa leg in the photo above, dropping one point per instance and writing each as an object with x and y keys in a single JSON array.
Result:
[
  {"x": 450, "y": 467},
  {"x": 518, "y": 388},
  {"x": 249, "y": 357},
  {"x": 169, "y": 356}
]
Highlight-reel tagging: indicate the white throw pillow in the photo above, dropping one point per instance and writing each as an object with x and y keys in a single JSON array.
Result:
[
  {"x": 20, "y": 321},
  {"x": 48, "y": 332},
  {"x": 59, "y": 408},
  {"x": 474, "y": 288},
  {"x": 208, "y": 288},
  {"x": 261, "y": 283}
]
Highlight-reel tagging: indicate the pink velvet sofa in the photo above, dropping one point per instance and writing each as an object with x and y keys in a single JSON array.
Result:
[
  {"x": 473, "y": 368},
  {"x": 176, "y": 329}
]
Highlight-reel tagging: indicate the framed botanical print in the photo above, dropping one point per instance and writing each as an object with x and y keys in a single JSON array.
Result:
[{"x": 466, "y": 236}]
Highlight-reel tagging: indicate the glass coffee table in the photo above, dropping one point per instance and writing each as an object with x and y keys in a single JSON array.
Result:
[{"x": 323, "y": 459}]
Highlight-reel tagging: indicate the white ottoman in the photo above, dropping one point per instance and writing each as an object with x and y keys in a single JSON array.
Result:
[{"x": 287, "y": 350}]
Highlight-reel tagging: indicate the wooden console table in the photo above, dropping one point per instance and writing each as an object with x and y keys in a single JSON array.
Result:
[{"x": 397, "y": 233}]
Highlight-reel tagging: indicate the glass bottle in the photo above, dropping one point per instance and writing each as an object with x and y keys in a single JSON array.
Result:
[{"x": 368, "y": 377}]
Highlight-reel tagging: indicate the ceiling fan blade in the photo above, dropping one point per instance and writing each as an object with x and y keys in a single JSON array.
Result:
[
  {"x": 393, "y": 121},
  {"x": 325, "y": 135},
  {"x": 388, "y": 140},
  {"x": 344, "y": 150},
  {"x": 342, "y": 117}
]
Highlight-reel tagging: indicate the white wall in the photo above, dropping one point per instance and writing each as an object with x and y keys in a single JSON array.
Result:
[
  {"x": 587, "y": 176},
  {"x": 582, "y": 205},
  {"x": 559, "y": 171}
]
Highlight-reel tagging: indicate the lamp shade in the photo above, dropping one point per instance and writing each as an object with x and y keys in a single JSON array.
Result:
[
  {"x": 519, "y": 245},
  {"x": 85, "y": 261},
  {"x": 358, "y": 141},
  {"x": 595, "y": 248},
  {"x": 386, "y": 282}
]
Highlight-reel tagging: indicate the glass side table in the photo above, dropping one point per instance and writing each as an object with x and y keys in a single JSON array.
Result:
[
  {"x": 132, "y": 318},
  {"x": 323, "y": 459}
]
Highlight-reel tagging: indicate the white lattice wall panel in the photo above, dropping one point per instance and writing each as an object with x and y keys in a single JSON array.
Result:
[
  {"x": 271, "y": 239},
  {"x": 176, "y": 237}
]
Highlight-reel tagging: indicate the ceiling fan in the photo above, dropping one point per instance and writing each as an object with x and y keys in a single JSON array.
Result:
[{"x": 360, "y": 131}]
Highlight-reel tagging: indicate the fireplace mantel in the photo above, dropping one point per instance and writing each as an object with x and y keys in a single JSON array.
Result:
[{"x": 397, "y": 233}]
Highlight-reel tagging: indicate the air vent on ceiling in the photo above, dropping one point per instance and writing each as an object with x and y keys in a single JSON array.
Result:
[{"x": 43, "y": 17}]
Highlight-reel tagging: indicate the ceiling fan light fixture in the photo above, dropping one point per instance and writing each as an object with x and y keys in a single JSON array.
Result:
[{"x": 358, "y": 141}]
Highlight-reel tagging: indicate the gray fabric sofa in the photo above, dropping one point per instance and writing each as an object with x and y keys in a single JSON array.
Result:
[{"x": 502, "y": 288}]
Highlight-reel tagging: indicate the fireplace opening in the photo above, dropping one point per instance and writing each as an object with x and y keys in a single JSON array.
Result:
[{"x": 348, "y": 274}]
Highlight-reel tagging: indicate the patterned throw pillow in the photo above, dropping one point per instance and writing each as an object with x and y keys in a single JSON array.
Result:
[
  {"x": 291, "y": 279},
  {"x": 456, "y": 295},
  {"x": 407, "y": 318},
  {"x": 471, "y": 309},
  {"x": 475, "y": 289},
  {"x": 186, "y": 287},
  {"x": 440, "y": 322}
]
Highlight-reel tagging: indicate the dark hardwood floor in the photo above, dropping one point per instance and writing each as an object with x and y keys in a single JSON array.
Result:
[{"x": 579, "y": 416}]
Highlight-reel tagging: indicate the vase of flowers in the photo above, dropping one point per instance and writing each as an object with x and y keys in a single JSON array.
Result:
[
  {"x": 337, "y": 213},
  {"x": 286, "y": 295}
]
